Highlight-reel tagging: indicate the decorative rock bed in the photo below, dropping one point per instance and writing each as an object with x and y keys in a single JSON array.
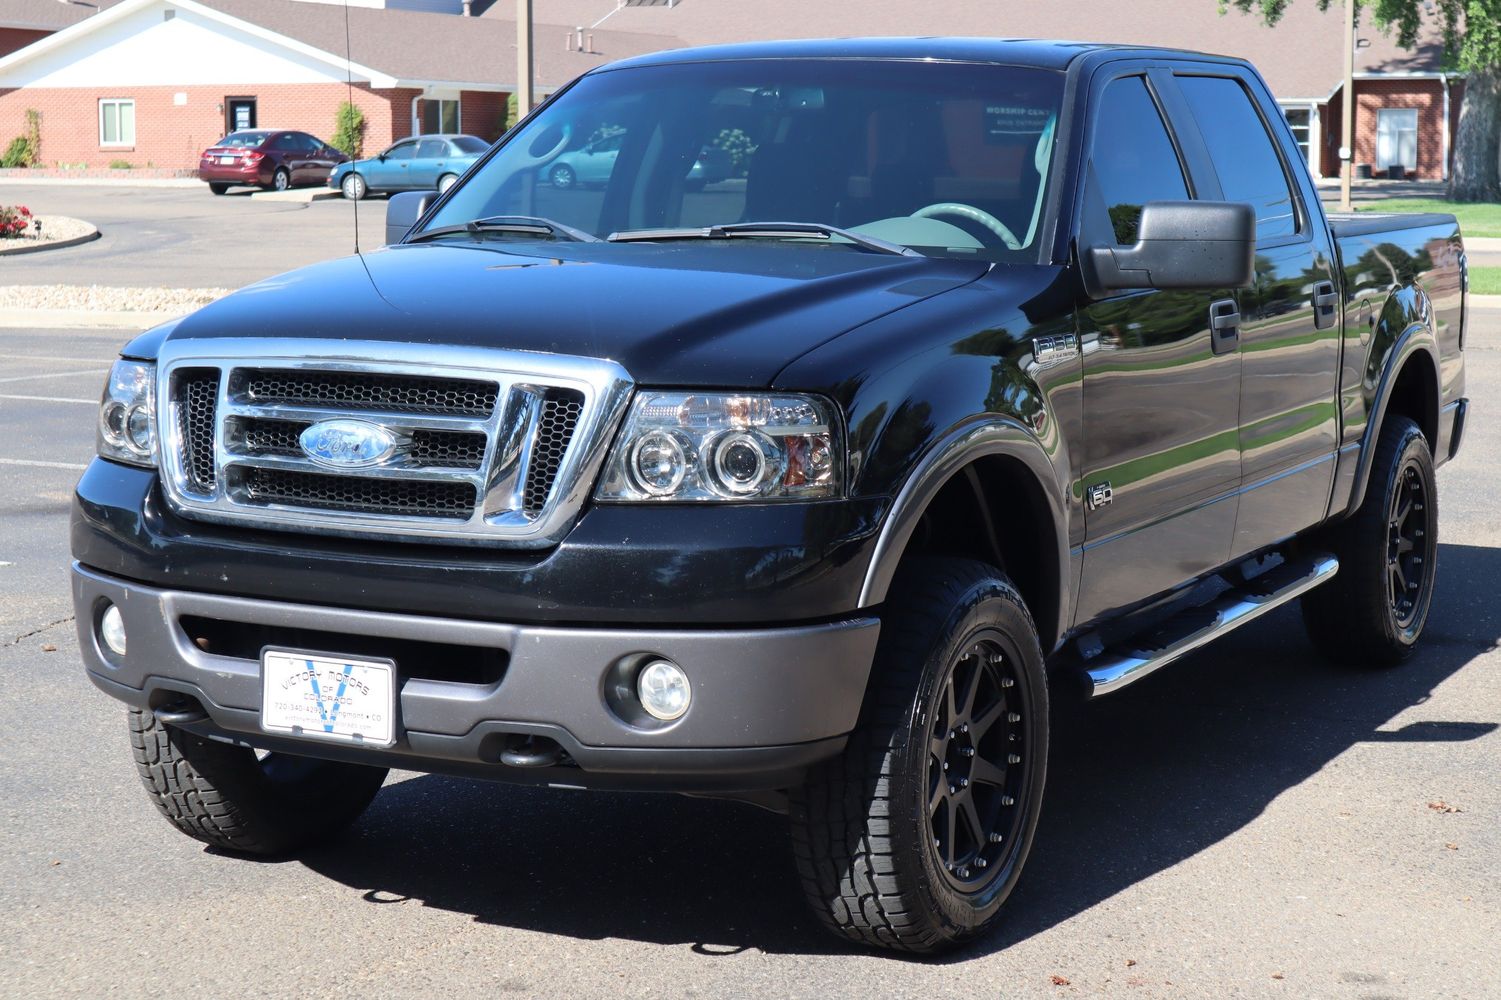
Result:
[{"x": 57, "y": 232}]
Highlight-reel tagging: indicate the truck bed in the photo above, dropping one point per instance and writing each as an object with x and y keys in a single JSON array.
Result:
[{"x": 1345, "y": 224}]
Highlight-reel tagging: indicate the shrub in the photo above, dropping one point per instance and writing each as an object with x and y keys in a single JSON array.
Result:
[
  {"x": 17, "y": 154},
  {"x": 14, "y": 221},
  {"x": 121, "y": 165},
  {"x": 349, "y": 131}
]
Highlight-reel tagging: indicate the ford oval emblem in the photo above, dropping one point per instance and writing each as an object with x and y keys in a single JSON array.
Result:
[{"x": 347, "y": 444}]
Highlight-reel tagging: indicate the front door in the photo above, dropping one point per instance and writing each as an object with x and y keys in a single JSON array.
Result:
[
  {"x": 239, "y": 114},
  {"x": 1161, "y": 395}
]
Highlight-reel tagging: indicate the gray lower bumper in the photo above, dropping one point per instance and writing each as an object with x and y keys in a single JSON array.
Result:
[{"x": 767, "y": 701}]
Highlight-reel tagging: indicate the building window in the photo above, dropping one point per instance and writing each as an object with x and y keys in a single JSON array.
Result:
[
  {"x": 440, "y": 116},
  {"x": 1397, "y": 138},
  {"x": 117, "y": 122},
  {"x": 1300, "y": 120}
]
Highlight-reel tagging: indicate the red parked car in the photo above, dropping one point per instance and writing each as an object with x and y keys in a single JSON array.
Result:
[{"x": 268, "y": 159}]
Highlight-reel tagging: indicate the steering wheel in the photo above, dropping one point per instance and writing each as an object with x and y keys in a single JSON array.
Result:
[{"x": 973, "y": 214}]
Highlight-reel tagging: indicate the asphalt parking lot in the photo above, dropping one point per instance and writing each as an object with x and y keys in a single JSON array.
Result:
[{"x": 1251, "y": 823}]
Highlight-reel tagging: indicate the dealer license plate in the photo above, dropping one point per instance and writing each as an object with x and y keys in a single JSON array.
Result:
[
  {"x": 226, "y": 160},
  {"x": 326, "y": 697}
]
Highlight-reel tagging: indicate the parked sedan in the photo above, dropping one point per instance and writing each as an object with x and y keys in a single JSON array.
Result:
[
  {"x": 421, "y": 163},
  {"x": 267, "y": 158},
  {"x": 591, "y": 165}
]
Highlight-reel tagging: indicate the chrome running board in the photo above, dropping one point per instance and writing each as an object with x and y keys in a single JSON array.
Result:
[{"x": 1135, "y": 658}]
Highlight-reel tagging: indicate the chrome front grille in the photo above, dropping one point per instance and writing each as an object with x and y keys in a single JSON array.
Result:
[{"x": 490, "y": 445}]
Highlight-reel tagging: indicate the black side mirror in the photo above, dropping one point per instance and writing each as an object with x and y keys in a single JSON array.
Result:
[
  {"x": 403, "y": 211},
  {"x": 1180, "y": 244}
]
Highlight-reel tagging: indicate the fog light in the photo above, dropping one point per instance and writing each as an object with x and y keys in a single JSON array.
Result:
[
  {"x": 664, "y": 690},
  {"x": 112, "y": 629}
]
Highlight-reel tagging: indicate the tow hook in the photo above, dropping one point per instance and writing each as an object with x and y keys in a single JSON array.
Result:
[
  {"x": 182, "y": 712},
  {"x": 532, "y": 751}
]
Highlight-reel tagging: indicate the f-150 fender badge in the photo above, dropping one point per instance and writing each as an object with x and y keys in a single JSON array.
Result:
[
  {"x": 1056, "y": 349},
  {"x": 348, "y": 444}
]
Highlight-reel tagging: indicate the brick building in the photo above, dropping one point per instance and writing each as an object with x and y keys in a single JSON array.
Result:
[
  {"x": 1407, "y": 106},
  {"x": 154, "y": 82},
  {"x": 180, "y": 74}
]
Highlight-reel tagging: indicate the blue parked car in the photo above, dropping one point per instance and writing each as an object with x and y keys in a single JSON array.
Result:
[
  {"x": 591, "y": 165},
  {"x": 421, "y": 163}
]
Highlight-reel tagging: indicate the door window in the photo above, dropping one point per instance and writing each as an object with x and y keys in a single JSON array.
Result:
[
  {"x": 401, "y": 151},
  {"x": 1133, "y": 156},
  {"x": 1397, "y": 138},
  {"x": 1244, "y": 157},
  {"x": 431, "y": 149}
]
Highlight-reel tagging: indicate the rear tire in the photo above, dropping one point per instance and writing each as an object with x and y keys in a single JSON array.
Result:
[
  {"x": 914, "y": 837},
  {"x": 226, "y": 797},
  {"x": 445, "y": 182},
  {"x": 218, "y": 188},
  {"x": 1373, "y": 612},
  {"x": 353, "y": 186}
]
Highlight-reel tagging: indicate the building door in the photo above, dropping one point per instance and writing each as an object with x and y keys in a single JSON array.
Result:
[
  {"x": 239, "y": 113},
  {"x": 1397, "y": 138}
]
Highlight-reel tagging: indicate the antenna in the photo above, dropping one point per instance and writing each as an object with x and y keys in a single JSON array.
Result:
[{"x": 349, "y": 82}]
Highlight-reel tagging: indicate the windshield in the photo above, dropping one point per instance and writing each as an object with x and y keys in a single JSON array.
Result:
[
  {"x": 244, "y": 140},
  {"x": 950, "y": 159},
  {"x": 469, "y": 145}
]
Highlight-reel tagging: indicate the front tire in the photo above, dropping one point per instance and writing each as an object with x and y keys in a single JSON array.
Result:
[
  {"x": 914, "y": 837},
  {"x": 281, "y": 180},
  {"x": 228, "y": 798},
  {"x": 563, "y": 177},
  {"x": 353, "y": 186},
  {"x": 1373, "y": 612}
]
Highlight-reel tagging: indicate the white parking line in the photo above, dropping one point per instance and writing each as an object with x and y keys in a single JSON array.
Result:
[
  {"x": 50, "y": 399},
  {"x": 28, "y": 463},
  {"x": 24, "y": 378}
]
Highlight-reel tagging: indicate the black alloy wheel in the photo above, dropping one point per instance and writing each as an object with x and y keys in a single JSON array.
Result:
[
  {"x": 1409, "y": 559},
  {"x": 1372, "y": 613},
  {"x": 974, "y": 777}
]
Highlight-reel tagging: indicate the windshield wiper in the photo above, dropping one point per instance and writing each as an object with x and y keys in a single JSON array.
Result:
[
  {"x": 765, "y": 231},
  {"x": 520, "y": 225}
]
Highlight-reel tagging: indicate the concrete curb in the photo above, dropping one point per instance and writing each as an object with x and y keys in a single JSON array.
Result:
[
  {"x": 304, "y": 196},
  {"x": 1485, "y": 301},
  {"x": 84, "y": 319},
  {"x": 1482, "y": 244},
  {"x": 149, "y": 182},
  {"x": 88, "y": 237}
]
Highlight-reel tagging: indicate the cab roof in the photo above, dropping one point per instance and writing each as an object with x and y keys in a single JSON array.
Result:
[{"x": 1042, "y": 53}]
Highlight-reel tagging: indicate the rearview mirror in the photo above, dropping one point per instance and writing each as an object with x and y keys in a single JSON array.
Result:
[
  {"x": 403, "y": 211},
  {"x": 1180, "y": 244}
]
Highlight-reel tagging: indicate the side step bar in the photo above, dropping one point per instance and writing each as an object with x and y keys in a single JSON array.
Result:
[{"x": 1114, "y": 668}]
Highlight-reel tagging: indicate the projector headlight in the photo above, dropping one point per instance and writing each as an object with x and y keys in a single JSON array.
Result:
[
  {"x": 127, "y": 414},
  {"x": 694, "y": 446}
]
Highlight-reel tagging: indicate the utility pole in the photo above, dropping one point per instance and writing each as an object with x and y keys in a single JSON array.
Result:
[
  {"x": 1347, "y": 116},
  {"x": 524, "y": 70}
]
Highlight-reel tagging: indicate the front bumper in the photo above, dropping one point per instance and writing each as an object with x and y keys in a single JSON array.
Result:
[{"x": 767, "y": 703}]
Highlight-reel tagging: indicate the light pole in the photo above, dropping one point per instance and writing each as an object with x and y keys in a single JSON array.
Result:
[
  {"x": 1347, "y": 116},
  {"x": 523, "y": 58}
]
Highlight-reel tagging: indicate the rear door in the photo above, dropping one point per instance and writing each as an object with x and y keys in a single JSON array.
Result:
[
  {"x": 1289, "y": 332},
  {"x": 430, "y": 160},
  {"x": 1161, "y": 394}
]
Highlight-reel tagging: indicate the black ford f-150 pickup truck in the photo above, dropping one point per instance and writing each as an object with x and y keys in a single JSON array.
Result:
[{"x": 990, "y": 365}]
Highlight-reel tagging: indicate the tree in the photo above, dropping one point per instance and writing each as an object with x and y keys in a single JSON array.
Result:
[
  {"x": 1472, "y": 44},
  {"x": 349, "y": 130}
]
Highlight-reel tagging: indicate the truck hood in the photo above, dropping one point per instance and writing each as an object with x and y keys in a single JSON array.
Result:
[{"x": 671, "y": 314}]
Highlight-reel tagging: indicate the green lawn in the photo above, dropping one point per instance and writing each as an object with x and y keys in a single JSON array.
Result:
[
  {"x": 1475, "y": 218},
  {"x": 1485, "y": 281}
]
